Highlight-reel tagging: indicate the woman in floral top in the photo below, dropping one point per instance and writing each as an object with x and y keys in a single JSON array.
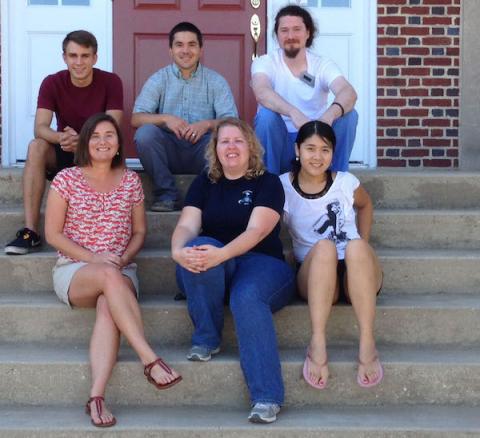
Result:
[{"x": 95, "y": 218}]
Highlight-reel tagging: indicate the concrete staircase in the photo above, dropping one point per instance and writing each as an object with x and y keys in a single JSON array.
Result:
[{"x": 427, "y": 234}]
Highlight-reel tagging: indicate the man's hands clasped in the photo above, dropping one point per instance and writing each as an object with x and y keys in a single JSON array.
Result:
[
  {"x": 68, "y": 139},
  {"x": 184, "y": 130}
]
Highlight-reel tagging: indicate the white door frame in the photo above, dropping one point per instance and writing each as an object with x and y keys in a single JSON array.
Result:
[
  {"x": 370, "y": 67},
  {"x": 5, "y": 102},
  {"x": 8, "y": 88}
]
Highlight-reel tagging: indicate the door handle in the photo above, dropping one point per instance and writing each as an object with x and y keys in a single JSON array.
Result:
[{"x": 255, "y": 32}]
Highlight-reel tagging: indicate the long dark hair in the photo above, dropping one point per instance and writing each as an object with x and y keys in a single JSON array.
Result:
[
  {"x": 314, "y": 127},
  {"x": 82, "y": 155}
]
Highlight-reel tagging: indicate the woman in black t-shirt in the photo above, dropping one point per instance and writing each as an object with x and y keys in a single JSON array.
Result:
[{"x": 227, "y": 246}]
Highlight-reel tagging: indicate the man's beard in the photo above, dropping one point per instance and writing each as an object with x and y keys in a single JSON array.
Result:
[{"x": 291, "y": 52}]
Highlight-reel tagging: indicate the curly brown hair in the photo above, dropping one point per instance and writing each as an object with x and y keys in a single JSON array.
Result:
[{"x": 255, "y": 149}]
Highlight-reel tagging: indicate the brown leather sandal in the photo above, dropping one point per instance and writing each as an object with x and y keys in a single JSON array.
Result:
[
  {"x": 98, "y": 405},
  {"x": 148, "y": 374}
]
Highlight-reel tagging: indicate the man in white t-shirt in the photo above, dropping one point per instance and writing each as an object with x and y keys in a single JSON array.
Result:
[{"x": 292, "y": 85}]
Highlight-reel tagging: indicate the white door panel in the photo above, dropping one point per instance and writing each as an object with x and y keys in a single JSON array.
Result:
[
  {"x": 345, "y": 35},
  {"x": 34, "y": 50}
]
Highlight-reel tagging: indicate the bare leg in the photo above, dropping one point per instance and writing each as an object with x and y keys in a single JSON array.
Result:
[
  {"x": 364, "y": 278},
  {"x": 104, "y": 346},
  {"x": 41, "y": 155},
  {"x": 93, "y": 280},
  {"x": 317, "y": 283}
]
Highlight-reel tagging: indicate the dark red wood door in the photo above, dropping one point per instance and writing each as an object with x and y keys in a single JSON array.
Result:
[{"x": 140, "y": 44}]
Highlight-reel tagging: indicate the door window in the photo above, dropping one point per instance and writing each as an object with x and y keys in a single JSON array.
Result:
[
  {"x": 336, "y": 3},
  {"x": 59, "y": 2}
]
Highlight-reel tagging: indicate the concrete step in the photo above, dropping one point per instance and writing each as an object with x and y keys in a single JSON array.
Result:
[
  {"x": 433, "y": 189},
  {"x": 419, "y": 229},
  {"x": 389, "y": 188},
  {"x": 59, "y": 375},
  {"x": 322, "y": 421},
  {"x": 405, "y": 271},
  {"x": 401, "y": 319},
  {"x": 422, "y": 229}
]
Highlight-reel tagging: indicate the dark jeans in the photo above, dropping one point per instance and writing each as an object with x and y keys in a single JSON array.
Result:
[
  {"x": 258, "y": 285},
  {"x": 163, "y": 155},
  {"x": 279, "y": 143}
]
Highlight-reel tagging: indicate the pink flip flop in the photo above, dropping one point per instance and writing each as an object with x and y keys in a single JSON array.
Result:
[
  {"x": 364, "y": 383},
  {"x": 306, "y": 373}
]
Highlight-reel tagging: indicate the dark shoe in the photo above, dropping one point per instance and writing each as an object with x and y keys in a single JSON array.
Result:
[
  {"x": 180, "y": 297},
  {"x": 25, "y": 241},
  {"x": 163, "y": 206}
]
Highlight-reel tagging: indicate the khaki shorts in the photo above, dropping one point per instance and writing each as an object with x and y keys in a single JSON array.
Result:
[{"x": 65, "y": 269}]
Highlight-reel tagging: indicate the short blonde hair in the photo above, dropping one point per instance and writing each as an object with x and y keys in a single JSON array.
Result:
[{"x": 255, "y": 161}]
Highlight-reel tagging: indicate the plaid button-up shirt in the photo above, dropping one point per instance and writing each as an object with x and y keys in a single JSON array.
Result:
[{"x": 205, "y": 95}]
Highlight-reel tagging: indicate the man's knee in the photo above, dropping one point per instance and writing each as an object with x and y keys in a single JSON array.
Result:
[
  {"x": 38, "y": 149},
  {"x": 266, "y": 118},
  {"x": 349, "y": 120},
  {"x": 145, "y": 136},
  {"x": 352, "y": 117}
]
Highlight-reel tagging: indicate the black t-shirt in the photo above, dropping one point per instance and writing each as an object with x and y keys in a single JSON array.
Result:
[{"x": 227, "y": 205}]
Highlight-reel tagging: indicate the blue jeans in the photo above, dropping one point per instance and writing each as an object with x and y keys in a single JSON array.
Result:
[
  {"x": 257, "y": 285},
  {"x": 279, "y": 144},
  {"x": 163, "y": 155}
]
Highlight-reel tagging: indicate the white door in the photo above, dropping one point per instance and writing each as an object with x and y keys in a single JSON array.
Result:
[
  {"x": 32, "y": 49},
  {"x": 347, "y": 34}
]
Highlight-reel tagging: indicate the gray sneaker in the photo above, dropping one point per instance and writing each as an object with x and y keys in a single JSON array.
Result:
[
  {"x": 201, "y": 354},
  {"x": 264, "y": 413},
  {"x": 163, "y": 206}
]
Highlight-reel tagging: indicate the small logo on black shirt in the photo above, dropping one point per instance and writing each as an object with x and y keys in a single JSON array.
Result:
[{"x": 246, "y": 198}]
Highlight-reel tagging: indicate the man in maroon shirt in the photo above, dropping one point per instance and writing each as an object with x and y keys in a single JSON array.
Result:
[{"x": 73, "y": 95}]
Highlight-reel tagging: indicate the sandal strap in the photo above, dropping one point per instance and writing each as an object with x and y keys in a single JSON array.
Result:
[
  {"x": 321, "y": 365},
  {"x": 375, "y": 359},
  {"x": 98, "y": 399},
  {"x": 158, "y": 361}
]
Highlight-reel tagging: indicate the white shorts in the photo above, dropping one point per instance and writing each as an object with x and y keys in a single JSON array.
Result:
[{"x": 65, "y": 269}]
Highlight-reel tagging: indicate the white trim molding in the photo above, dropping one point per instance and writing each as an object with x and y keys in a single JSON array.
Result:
[{"x": 6, "y": 100}]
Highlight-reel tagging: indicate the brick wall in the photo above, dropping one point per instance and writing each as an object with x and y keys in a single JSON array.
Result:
[{"x": 418, "y": 83}]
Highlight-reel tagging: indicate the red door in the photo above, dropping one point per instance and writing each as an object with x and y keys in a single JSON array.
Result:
[{"x": 140, "y": 44}]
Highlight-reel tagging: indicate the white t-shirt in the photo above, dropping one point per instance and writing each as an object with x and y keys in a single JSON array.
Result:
[
  {"x": 311, "y": 100},
  {"x": 330, "y": 217}
]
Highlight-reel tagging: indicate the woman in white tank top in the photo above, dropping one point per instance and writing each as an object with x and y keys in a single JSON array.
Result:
[{"x": 329, "y": 216}]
